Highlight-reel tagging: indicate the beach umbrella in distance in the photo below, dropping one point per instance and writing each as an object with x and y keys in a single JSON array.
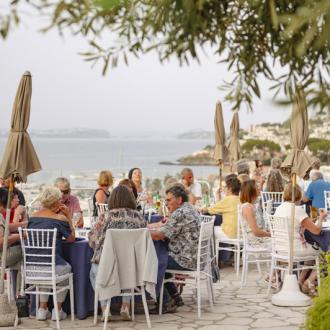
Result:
[
  {"x": 19, "y": 159},
  {"x": 220, "y": 136},
  {"x": 234, "y": 148},
  {"x": 296, "y": 163}
]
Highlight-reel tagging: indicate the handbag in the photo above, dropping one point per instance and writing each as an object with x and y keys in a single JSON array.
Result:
[{"x": 22, "y": 303}]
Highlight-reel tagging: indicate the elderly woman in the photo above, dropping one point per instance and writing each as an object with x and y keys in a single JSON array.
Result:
[
  {"x": 122, "y": 214},
  {"x": 302, "y": 223},
  {"x": 135, "y": 174},
  {"x": 257, "y": 236},
  {"x": 102, "y": 193},
  {"x": 53, "y": 214}
]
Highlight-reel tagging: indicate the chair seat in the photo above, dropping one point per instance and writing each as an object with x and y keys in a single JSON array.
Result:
[
  {"x": 230, "y": 240},
  {"x": 45, "y": 281},
  {"x": 285, "y": 257},
  {"x": 184, "y": 272},
  {"x": 257, "y": 249}
]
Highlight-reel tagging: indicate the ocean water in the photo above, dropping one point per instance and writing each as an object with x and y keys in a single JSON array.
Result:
[{"x": 82, "y": 159}]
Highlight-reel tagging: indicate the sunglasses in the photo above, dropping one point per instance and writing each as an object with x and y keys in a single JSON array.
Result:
[{"x": 65, "y": 192}]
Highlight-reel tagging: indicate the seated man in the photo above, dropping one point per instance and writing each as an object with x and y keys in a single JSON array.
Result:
[
  {"x": 194, "y": 188},
  {"x": 182, "y": 230},
  {"x": 71, "y": 201},
  {"x": 316, "y": 189}
]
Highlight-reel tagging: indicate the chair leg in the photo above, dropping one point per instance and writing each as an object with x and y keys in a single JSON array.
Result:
[
  {"x": 199, "y": 314},
  {"x": 161, "y": 296},
  {"x": 8, "y": 274},
  {"x": 71, "y": 297},
  {"x": 209, "y": 291},
  {"x": 37, "y": 301},
  {"x": 106, "y": 314},
  {"x": 258, "y": 267},
  {"x": 56, "y": 307},
  {"x": 132, "y": 304},
  {"x": 317, "y": 264},
  {"x": 238, "y": 256},
  {"x": 243, "y": 269},
  {"x": 270, "y": 276},
  {"x": 95, "y": 305},
  {"x": 145, "y": 306}
]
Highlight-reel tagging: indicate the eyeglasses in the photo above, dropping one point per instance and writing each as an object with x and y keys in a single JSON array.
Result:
[
  {"x": 167, "y": 200},
  {"x": 65, "y": 192}
]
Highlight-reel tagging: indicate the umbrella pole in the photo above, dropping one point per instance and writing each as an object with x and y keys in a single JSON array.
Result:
[
  {"x": 291, "y": 232},
  {"x": 6, "y": 234},
  {"x": 220, "y": 174}
]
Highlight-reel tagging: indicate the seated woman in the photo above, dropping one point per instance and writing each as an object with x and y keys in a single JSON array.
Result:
[
  {"x": 257, "y": 237},
  {"x": 14, "y": 252},
  {"x": 122, "y": 214},
  {"x": 135, "y": 174},
  {"x": 302, "y": 222},
  {"x": 227, "y": 207},
  {"x": 53, "y": 215},
  {"x": 17, "y": 212},
  {"x": 102, "y": 193},
  {"x": 130, "y": 184},
  {"x": 275, "y": 182}
]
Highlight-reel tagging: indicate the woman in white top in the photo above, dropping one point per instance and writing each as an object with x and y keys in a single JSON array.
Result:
[
  {"x": 257, "y": 237},
  {"x": 302, "y": 222}
]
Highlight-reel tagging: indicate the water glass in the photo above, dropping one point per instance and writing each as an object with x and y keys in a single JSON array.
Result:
[{"x": 75, "y": 218}]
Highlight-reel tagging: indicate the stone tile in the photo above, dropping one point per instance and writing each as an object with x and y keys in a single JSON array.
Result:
[
  {"x": 241, "y": 314},
  {"x": 226, "y": 309},
  {"x": 263, "y": 315},
  {"x": 203, "y": 322},
  {"x": 236, "y": 321},
  {"x": 269, "y": 323}
]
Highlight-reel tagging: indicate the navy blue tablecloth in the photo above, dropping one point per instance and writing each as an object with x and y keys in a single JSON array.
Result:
[{"x": 78, "y": 255}]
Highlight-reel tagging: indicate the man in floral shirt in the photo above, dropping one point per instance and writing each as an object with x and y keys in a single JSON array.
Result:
[{"x": 182, "y": 230}]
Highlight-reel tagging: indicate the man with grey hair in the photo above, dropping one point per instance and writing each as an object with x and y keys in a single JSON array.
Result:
[
  {"x": 194, "y": 188},
  {"x": 316, "y": 189},
  {"x": 242, "y": 167},
  {"x": 70, "y": 201},
  {"x": 182, "y": 231}
]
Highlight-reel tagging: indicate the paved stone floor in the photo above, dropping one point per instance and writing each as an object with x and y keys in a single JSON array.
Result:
[{"x": 235, "y": 309}]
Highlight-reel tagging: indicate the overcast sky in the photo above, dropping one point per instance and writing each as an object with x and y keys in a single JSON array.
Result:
[{"x": 143, "y": 97}]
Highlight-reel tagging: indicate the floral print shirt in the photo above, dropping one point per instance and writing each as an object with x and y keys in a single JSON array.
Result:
[
  {"x": 112, "y": 219},
  {"x": 182, "y": 229}
]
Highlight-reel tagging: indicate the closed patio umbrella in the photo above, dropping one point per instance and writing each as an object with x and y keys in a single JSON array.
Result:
[
  {"x": 19, "y": 159},
  {"x": 234, "y": 148},
  {"x": 296, "y": 163},
  {"x": 220, "y": 136}
]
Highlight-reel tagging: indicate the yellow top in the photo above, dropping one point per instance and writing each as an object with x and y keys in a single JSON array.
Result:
[{"x": 227, "y": 207}]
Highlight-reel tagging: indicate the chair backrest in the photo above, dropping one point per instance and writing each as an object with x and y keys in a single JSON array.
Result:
[
  {"x": 38, "y": 247},
  {"x": 279, "y": 229},
  {"x": 243, "y": 226},
  {"x": 133, "y": 252},
  {"x": 101, "y": 208},
  {"x": 205, "y": 248},
  {"x": 327, "y": 200},
  {"x": 276, "y": 197}
]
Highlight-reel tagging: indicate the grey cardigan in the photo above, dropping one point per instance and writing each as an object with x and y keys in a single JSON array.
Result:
[{"x": 128, "y": 260}]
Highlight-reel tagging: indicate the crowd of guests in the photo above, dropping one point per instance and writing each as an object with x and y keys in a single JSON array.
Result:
[{"x": 58, "y": 208}]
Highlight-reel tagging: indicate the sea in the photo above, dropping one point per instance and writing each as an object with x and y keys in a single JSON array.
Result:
[{"x": 82, "y": 159}]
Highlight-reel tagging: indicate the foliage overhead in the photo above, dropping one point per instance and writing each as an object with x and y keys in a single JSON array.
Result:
[{"x": 253, "y": 37}]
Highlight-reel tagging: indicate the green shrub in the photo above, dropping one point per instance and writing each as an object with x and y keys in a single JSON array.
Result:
[{"x": 318, "y": 316}]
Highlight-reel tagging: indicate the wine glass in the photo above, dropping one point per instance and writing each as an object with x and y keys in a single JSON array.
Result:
[{"x": 75, "y": 218}]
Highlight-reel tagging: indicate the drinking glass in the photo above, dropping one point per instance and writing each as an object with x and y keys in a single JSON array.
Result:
[{"x": 75, "y": 218}]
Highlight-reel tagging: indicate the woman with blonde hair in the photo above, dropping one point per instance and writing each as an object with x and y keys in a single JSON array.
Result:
[
  {"x": 102, "y": 193},
  {"x": 53, "y": 214}
]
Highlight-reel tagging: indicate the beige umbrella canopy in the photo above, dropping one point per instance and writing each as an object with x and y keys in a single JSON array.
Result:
[
  {"x": 234, "y": 148},
  {"x": 220, "y": 136},
  {"x": 298, "y": 161},
  {"x": 19, "y": 159}
]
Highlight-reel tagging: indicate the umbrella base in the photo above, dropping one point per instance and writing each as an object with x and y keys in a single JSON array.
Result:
[
  {"x": 290, "y": 294},
  {"x": 8, "y": 311}
]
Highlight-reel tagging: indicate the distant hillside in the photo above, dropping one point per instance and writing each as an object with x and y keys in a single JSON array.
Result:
[
  {"x": 73, "y": 133},
  {"x": 197, "y": 134}
]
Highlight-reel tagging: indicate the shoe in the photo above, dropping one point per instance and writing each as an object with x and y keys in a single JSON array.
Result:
[
  {"x": 168, "y": 307},
  {"x": 61, "y": 315},
  {"x": 309, "y": 288},
  {"x": 178, "y": 300},
  {"x": 43, "y": 314},
  {"x": 124, "y": 313}
]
